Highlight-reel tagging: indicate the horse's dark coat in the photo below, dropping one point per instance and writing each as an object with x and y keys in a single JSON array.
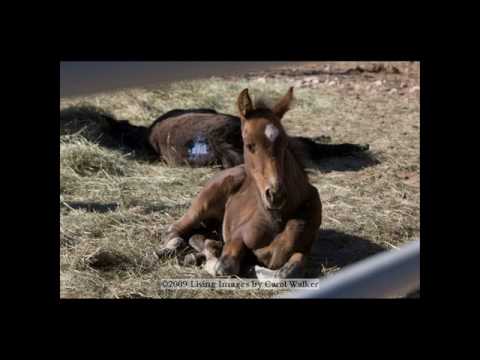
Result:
[{"x": 173, "y": 139}]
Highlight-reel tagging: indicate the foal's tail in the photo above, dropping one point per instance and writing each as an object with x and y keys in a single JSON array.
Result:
[{"x": 317, "y": 151}]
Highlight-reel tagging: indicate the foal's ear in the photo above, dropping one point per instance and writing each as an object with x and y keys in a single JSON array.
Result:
[
  {"x": 244, "y": 103},
  {"x": 284, "y": 104}
]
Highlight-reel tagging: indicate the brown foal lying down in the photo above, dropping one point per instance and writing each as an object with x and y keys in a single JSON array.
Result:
[
  {"x": 202, "y": 137},
  {"x": 267, "y": 206}
]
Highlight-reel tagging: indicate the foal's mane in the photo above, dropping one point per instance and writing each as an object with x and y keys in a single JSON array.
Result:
[
  {"x": 297, "y": 154},
  {"x": 262, "y": 106},
  {"x": 262, "y": 103}
]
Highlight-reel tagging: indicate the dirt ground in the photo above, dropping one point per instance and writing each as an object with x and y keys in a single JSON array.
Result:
[{"x": 114, "y": 206}]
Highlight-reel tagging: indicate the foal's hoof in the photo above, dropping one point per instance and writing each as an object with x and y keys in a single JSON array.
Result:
[
  {"x": 263, "y": 273},
  {"x": 364, "y": 147},
  {"x": 213, "y": 247},
  {"x": 227, "y": 266},
  {"x": 291, "y": 271},
  {"x": 210, "y": 266},
  {"x": 193, "y": 260},
  {"x": 170, "y": 248},
  {"x": 197, "y": 242}
]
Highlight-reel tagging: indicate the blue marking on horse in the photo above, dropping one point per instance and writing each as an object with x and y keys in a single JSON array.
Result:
[{"x": 199, "y": 148}]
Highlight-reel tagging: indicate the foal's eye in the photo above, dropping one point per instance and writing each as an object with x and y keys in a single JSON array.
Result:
[{"x": 251, "y": 147}]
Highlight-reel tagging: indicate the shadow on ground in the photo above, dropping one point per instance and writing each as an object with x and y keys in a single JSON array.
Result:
[
  {"x": 355, "y": 162},
  {"x": 102, "y": 128},
  {"x": 336, "y": 249},
  {"x": 91, "y": 206}
]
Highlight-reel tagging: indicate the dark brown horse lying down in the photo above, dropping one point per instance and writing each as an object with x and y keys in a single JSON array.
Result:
[
  {"x": 203, "y": 137},
  {"x": 267, "y": 207}
]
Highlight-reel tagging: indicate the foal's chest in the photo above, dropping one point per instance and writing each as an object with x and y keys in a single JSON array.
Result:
[{"x": 244, "y": 220}]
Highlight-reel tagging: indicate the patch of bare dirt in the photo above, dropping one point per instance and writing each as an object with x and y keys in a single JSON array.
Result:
[{"x": 400, "y": 78}]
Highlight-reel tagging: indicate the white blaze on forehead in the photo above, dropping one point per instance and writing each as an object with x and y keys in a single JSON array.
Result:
[{"x": 271, "y": 132}]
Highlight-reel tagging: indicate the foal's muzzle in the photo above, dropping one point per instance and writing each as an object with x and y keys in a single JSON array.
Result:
[{"x": 275, "y": 198}]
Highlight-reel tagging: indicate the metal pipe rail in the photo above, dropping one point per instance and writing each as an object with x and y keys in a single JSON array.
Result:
[{"x": 391, "y": 274}]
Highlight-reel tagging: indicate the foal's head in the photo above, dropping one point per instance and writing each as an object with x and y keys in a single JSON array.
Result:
[{"x": 265, "y": 143}]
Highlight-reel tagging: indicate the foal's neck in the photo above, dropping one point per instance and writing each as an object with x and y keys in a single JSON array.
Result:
[{"x": 296, "y": 180}]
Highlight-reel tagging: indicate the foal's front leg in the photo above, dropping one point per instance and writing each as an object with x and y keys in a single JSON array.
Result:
[
  {"x": 293, "y": 269},
  {"x": 229, "y": 262},
  {"x": 209, "y": 204},
  {"x": 288, "y": 250},
  {"x": 293, "y": 239},
  {"x": 220, "y": 260}
]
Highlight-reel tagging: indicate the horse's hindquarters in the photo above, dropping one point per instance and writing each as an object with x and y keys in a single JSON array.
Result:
[{"x": 198, "y": 139}]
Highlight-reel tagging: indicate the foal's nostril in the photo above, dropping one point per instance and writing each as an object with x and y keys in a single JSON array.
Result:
[
  {"x": 269, "y": 195},
  {"x": 274, "y": 197}
]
